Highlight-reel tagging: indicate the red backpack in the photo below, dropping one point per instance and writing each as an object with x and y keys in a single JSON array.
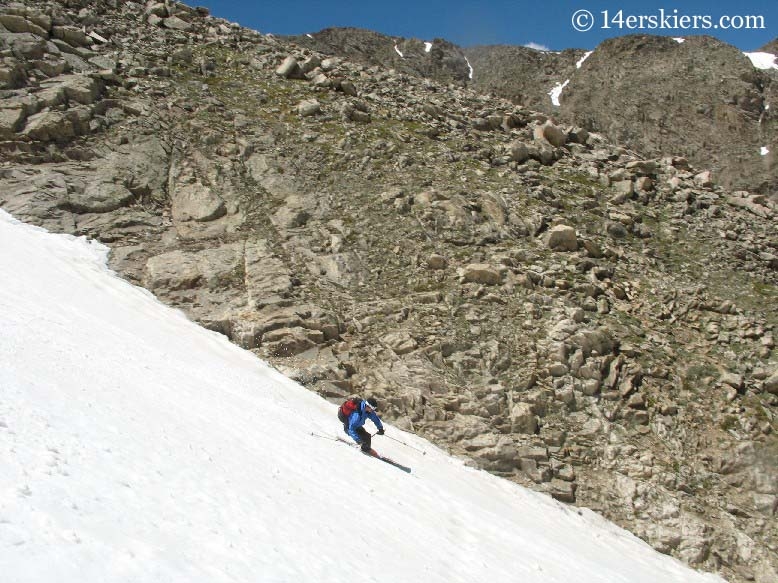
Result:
[{"x": 349, "y": 406}]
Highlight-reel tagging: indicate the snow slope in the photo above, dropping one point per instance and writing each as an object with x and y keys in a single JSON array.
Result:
[{"x": 137, "y": 446}]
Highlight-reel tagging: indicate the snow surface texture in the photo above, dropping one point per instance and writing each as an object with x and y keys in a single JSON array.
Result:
[
  {"x": 138, "y": 447},
  {"x": 762, "y": 60}
]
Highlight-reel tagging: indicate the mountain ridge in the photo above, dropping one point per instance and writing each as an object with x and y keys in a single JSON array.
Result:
[{"x": 724, "y": 129}]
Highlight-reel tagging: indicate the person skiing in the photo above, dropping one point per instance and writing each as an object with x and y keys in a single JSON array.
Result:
[{"x": 353, "y": 413}]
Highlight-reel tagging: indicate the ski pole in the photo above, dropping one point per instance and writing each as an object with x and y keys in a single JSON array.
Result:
[{"x": 405, "y": 444}]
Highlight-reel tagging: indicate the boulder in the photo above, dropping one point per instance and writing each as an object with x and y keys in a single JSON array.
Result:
[
  {"x": 212, "y": 268},
  {"x": 158, "y": 9},
  {"x": 523, "y": 419},
  {"x": 176, "y": 270},
  {"x": 481, "y": 273},
  {"x": 196, "y": 202},
  {"x": 11, "y": 121},
  {"x": 401, "y": 342},
  {"x": 267, "y": 277},
  {"x": 562, "y": 238},
  {"x": 14, "y": 23},
  {"x": 436, "y": 261},
  {"x": 287, "y": 342},
  {"x": 704, "y": 179},
  {"x": 11, "y": 77},
  {"x": 309, "y": 107},
  {"x": 176, "y": 23},
  {"x": 71, "y": 35},
  {"x": 733, "y": 380},
  {"x": 550, "y": 133},
  {"x": 97, "y": 197},
  {"x": 49, "y": 126},
  {"x": 771, "y": 383},
  {"x": 562, "y": 490},
  {"x": 82, "y": 88},
  {"x": 518, "y": 152},
  {"x": 290, "y": 69},
  {"x": 643, "y": 167}
]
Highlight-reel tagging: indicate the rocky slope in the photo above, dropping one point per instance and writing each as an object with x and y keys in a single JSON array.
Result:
[
  {"x": 436, "y": 59},
  {"x": 556, "y": 308},
  {"x": 700, "y": 98},
  {"x": 523, "y": 75}
]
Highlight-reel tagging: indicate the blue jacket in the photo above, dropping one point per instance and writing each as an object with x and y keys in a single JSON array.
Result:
[{"x": 357, "y": 419}]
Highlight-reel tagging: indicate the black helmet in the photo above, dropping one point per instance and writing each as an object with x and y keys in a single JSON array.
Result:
[{"x": 372, "y": 403}]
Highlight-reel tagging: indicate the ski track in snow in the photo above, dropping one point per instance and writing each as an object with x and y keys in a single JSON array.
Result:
[{"x": 138, "y": 447}]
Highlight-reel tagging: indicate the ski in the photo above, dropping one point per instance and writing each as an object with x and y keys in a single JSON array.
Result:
[{"x": 374, "y": 454}]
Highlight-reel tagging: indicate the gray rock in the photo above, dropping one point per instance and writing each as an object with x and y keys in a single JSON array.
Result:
[
  {"x": 616, "y": 230},
  {"x": 771, "y": 384},
  {"x": 550, "y": 133},
  {"x": 310, "y": 64},
  {"x": 71, "y": 35},
  {"x": 49, "y": 126},
  {"x": 176, "y": 23},
  {"x": 704, "y": 179},
  {"x": 523, "y": 419},
  {"x": 267, "y": 277},
  {"x": 98, "y": 197},
  {"x": 158, "y": 9},
  {"x": 562, "y": 238},
  {"x": 196, "y": 202},
  {"x": 11, "y": 121},
  {"x": 309, "y": 107},
  {"x": 481, "y": 273},
  {"x": 733, "y": 380},
  {"x": 401, "y": 342},
  {"x": 18, "y": 24},
  {"x": 11, "y": 77},
  {"x": 436, "y": 261},
  {"x": 290, "y": 69},
  {"x": 644, "y": 167},
  {"x": 291, "y": 341},
  {"x": 180, "y": 270},
  {"x": 563, "y": 491},
  {"x": 519, "y": 152}
]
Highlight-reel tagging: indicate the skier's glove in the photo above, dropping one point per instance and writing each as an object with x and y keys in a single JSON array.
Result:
[{"x": 381, "y": 431}]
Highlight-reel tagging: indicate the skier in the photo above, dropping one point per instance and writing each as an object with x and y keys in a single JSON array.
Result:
[{"x": 353, "y": 413}]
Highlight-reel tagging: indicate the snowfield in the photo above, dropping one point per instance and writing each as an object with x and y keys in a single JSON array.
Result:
[{"x": 138, "y": 447}]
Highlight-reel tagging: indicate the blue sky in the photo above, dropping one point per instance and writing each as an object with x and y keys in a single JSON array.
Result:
[{"x": 546, "y": 23}]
